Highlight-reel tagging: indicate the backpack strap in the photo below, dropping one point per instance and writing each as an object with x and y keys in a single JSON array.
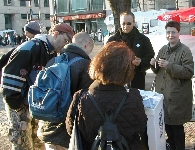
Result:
[
  {"x": 96, "y": 105},
  {"x": 64, "y": 57},
  {"x": 99, "y": 110},
  {"x": 72, "y": 61},
  {"x": 120, "y": 106}
]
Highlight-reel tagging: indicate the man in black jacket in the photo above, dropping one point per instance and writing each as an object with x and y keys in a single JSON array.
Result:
[
  {"x": 142, "y": 47},
  {"x": 139, "y": 43},
  {"x": 55, "y": 135}
]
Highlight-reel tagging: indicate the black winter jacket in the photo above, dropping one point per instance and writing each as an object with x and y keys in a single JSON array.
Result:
[
  {"x": 56, "y": 133},
  {"x": 131, "y": 120},
  {"x": 4, "y": 59},
  {"x": 26, "y": 60},
  {"x": 143, "y": 49}
]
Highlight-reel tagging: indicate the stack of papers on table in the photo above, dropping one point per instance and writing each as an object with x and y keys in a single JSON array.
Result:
[{"x": 150, "y": 99}]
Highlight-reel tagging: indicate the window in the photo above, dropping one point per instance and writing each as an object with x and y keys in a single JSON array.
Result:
[
  {"x": 96, "y": 5},
  {"x": 22, "y": 3},
  {"x": 153, "y": 22},
  {"x": 24, "y": 16},
  {"x": 35, "y": 16},
  {"x": 9, "y": 2},
  {"x": 47, "y": 16},
  {"x": 63, "y": 6},
  {"x": 36, "y": 3},
  {"x": 78, "y": 6},
  {"x": 46, "y": 3}
]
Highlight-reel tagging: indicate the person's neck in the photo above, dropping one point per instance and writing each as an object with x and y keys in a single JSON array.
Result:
[
  {"x": 50, "y": 42},
  {"x": 173, "y": 44},
  {"x": 49, "y": 37}
]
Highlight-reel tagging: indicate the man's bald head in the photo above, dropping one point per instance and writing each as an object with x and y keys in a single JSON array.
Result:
[{"x": 83, "y": 40}]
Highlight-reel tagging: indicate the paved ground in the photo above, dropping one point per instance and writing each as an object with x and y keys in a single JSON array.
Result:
[{"x": 5, "y": 145}]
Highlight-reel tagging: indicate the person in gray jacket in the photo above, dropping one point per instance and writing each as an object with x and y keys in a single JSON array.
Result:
[
  {"x": 54, "y": 135},
  {"x": 174, "y": 68}
]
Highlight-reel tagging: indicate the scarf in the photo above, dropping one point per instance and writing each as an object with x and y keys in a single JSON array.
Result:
[{"x": 128, "y": 37}]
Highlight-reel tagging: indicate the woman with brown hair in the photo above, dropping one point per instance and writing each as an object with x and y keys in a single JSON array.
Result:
[{"x": 110, "y": 69}]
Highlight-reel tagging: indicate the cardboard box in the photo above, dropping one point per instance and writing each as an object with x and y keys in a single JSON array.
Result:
[{"x": 155, "y": 124}]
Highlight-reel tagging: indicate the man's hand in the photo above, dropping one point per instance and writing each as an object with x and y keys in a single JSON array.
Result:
[
  {"x": 162, "y": 63},
  {"x": 153, "y": 61},
  {"x": 136, "y": 61}
]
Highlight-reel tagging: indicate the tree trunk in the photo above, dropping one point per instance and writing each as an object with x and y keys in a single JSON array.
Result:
[{"x": 117, "y": 7}]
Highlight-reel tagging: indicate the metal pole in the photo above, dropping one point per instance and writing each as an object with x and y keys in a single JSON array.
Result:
[
  {"x": 27, "y": 17},
  {"x": 39, "y": 11},
  {"x": 30, "y": 10},
  {"x": 177, "y": 4},
  {"x": 55, "y": 13}
]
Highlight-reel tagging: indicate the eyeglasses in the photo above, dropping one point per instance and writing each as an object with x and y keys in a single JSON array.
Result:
[
  {"x": 62, "y": 33},
  {"x": 128, "y": 23},
  {"x": 66, "y": 41},
  {"x": 171, "y": 32}
]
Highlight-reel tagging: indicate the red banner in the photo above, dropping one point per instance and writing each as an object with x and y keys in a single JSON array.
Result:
[{"x": 82, "y": 16}]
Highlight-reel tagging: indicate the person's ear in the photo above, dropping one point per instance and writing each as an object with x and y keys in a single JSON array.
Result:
[{"x": 87, "y": 44}]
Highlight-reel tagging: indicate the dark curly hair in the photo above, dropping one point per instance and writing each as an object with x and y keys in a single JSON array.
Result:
[{"x": 113, "y": 64}]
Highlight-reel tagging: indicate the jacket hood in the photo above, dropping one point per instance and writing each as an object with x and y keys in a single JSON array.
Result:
[
  {"x": 42, "y": 37},
  {"x": 76, "y": 50}
]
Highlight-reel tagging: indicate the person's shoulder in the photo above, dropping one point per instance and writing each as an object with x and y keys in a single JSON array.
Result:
[
  {"x": 134, "y": 95},
  {"x": 27, "y": 45},
  {"x": 141, "y": 35},
  {"x": 184, "y": 46},
  {"x": 134, "y": 90},
  {"x": 114, "y": 37}
]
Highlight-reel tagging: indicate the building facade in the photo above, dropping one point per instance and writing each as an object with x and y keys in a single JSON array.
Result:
[
  {"x": 87, "y": 15},
  {"x": 14, "y": 14},
  {"x": 84, "y": 15},
  {"x": 145, "y": 5}
]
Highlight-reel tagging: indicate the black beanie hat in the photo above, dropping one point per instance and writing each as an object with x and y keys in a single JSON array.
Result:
[{"x": 32, "y": 27}]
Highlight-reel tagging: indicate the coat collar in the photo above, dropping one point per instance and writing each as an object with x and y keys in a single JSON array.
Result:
[
  {"x": 73, "y": 48},
  {"x": 171, "y": 49},
  {"x": 109, "y": 87}
]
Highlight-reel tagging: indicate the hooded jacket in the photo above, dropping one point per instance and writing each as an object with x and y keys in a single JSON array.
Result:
[
  {"x": 55, "y": 133},
  {"x": 25, "y": 62}
]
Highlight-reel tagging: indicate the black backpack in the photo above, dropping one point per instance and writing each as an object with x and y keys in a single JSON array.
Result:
[{"x": 108, "y": 137}]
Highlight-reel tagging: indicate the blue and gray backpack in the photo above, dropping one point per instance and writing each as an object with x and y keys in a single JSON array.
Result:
[{"x": 50, "y": 96}]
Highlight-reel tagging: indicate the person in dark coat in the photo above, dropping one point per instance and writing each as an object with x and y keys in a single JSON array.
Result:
[
  {"x": 54, "y": 134},
  {"x": 139, "y": 43},
  {"x": 111, "y": 69},
  {"x": 142, "y": 47},
  {"x": 174, "y": 71}
]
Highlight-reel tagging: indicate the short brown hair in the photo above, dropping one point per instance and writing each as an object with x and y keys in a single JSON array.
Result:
[
  {"x": 113, "y": 64},
  {"x": 174, "y": 24},
  {"x": 128, "y": 13}
]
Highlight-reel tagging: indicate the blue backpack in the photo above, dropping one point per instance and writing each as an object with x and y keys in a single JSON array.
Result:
[{"x": 50, "y": 96}]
